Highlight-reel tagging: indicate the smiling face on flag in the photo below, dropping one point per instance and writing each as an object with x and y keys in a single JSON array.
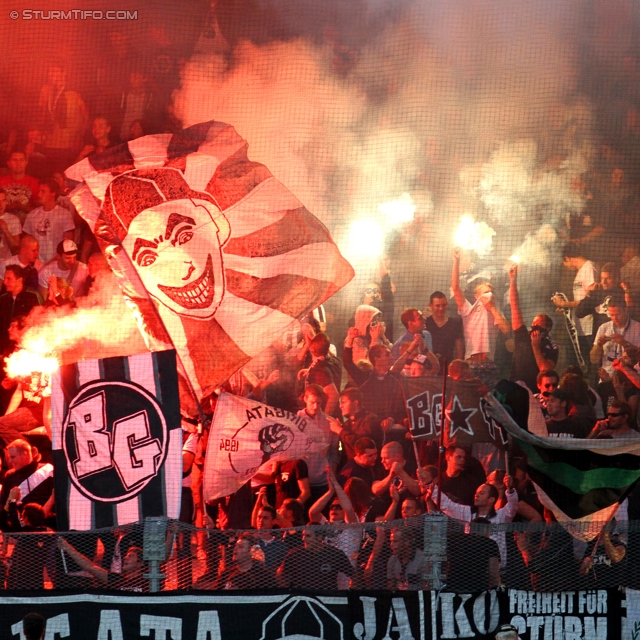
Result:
[
  {"x": 176, "y": 249},
  {"x": 214, "y": 255}
]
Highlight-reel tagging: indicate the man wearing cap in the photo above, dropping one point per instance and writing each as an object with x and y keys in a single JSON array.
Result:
[
  {"x": 559, "y": 424},
  {"x": 49, "y": 223},
  {"x": 66, "y": 267}
]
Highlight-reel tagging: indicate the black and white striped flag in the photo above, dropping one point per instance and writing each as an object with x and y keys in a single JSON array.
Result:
[{"x": 117, "y": 442}]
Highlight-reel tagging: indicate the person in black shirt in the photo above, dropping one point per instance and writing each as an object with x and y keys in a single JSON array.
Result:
[
  {"x": 447, "y": 334},
  {"x": 559, "y": 424},
  {"x": 382, "y": 390},
  {"x": 314, "y": 566},
  {"x": 358, "y": 422},
  {"x": 17, "y": 301},
  {"x": 461, "y": 478},
  {"x": 364, "y": 465},
  {"x": 534, "y": 350},
  {"x": 245, "y": 572},
  {"x": 481, "y": 574}
]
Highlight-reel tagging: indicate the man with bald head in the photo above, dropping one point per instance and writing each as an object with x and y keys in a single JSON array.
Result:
[
  {"x": 393, "y": 461},
  {"x": 27, "y": 258}
]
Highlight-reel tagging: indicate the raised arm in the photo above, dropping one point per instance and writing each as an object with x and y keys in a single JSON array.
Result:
[
  {"x": 316, "y": 509},
  {"x": 514, "y": 299},
  {"x": 349, "y": 512},
  {"x": 84, "y": 562},
  {"x": 458, "y": 294}
]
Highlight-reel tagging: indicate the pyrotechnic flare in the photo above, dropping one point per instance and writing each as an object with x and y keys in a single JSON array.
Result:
[
  {"x": 398, "y": 211},
  {"x": 476, "y": 236},
  {"x": 32, "y": 368}
]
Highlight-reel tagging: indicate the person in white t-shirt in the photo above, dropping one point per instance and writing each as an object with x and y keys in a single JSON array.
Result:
[
  {"x": 49, "y": 223},
  {"x": 10, "y": 228},
  {"x": 586, "y": 275},
  {"x": 66, "y": 267},
  {"x": 480, "y": 322}
]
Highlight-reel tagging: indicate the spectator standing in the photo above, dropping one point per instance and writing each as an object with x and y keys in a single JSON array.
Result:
[
  {"x": 481, "y": 321},
  {"x": 314, "y": 398},
  {"x": 28, "y": 479},
  {"x": 27, "y": 258},
  {"x": 382, "y": 390},
  {"x": 246, "y": 572},
  {"x": 414, "y": 323},
  {"x": 613, "y": 337},
  {"x": 364, "y": 463},
  {"x": 617, "y": 424},
  {"x": 21, "y": 189},
  {"x": 50, "y": 223},
  {"x": 65, "y": 115},
  {"x": 461, "y": 480},
  {"x": 10, "y": 228},
  {"x": 534, "y": 350},
  {"x": 358, "y": 423},
  {"x": 586, "y": 274},
  {"x": 446, "y": 333},
  {"x": 100, "y": 130},
  {"x": 33, "y": 626},
  {"x": 560, "y": 424},
  {"x": 16, "y": 301},
  {"x": 314, "y": 566}
]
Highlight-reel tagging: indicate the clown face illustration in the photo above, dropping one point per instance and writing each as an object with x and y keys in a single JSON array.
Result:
[{"x": 176, "y": 248}]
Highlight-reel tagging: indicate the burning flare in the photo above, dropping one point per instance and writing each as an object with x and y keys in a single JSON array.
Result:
[
  {"x": 477, "y": 236},
  {"x": 24, "y": 363}
]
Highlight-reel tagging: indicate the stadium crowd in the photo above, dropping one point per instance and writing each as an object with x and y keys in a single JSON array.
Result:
[{"x": 350, "y": 386}]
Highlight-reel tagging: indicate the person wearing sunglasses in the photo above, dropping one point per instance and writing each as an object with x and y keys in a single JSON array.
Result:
[{"x": 616, "y": 425}]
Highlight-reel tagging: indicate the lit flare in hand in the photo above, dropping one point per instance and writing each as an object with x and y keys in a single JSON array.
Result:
[{"x": 476, "y": 236}]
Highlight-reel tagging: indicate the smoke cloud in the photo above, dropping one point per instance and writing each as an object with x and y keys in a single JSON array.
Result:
[
  {"x": 101, "y": 326},
  {"x": 457, "y": 104}
]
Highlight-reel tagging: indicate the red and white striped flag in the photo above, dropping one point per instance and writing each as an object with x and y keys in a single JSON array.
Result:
[{"x": 216, "y": 256}]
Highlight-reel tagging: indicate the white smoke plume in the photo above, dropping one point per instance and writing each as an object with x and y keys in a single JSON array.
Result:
[
  {"x": 101, "y": 326},
  {"x": 436, "y": 104}
]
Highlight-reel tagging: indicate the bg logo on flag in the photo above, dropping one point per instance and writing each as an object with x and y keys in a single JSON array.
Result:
[
  {"x": 114, "y": 439},
  {"x": 117, "y": 440}
]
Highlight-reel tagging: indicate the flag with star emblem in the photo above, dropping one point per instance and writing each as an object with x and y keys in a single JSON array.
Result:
[
  {"x": 466, "y": 417},
  {"x": 216, "y": 257}
]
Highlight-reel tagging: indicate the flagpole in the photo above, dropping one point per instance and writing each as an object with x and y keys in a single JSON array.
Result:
[
  {"x": 442, "y": 421},
  {"x": 604, "y": 528}
]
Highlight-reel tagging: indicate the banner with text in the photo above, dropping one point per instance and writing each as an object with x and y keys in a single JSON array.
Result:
[{"x": 371, "y": 615}]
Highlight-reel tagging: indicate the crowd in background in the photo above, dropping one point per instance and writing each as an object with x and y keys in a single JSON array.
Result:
[{"x": 348, "y": 383}]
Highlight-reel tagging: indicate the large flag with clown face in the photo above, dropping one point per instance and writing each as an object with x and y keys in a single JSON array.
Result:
[{"x": 216, "y": 257}]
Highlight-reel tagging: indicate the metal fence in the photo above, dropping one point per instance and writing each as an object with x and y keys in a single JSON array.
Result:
[{"x": 425, "y": 552}]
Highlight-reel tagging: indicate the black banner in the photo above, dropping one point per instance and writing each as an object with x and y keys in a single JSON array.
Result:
[{"x": 411, "y": 615}]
